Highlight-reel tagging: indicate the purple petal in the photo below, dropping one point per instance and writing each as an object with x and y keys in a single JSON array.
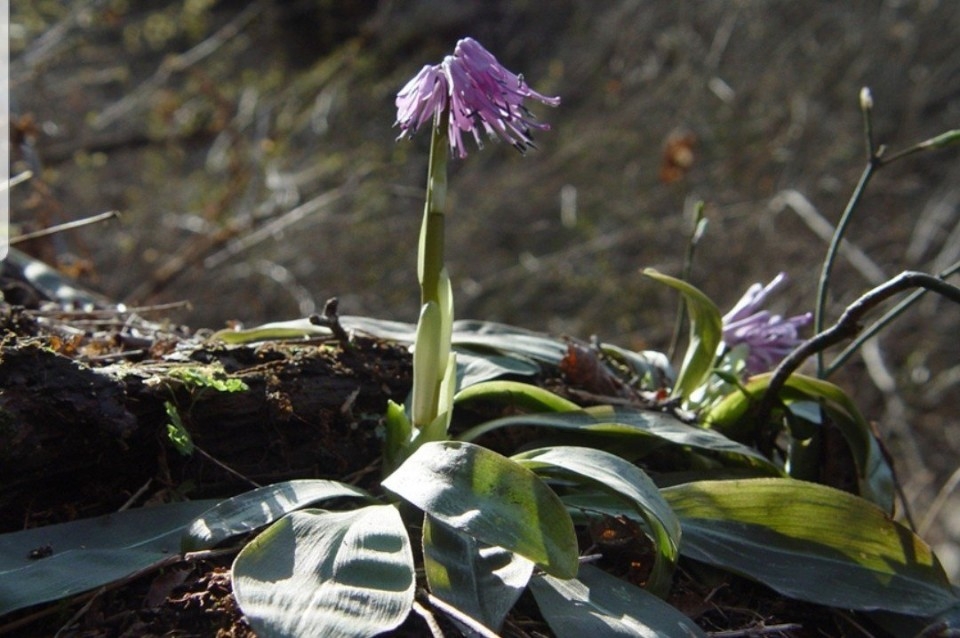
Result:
[
  {"x": 421, "y": 99},
  {"x": 768, "y": 337},
  {"x": 482, "y": 96}
]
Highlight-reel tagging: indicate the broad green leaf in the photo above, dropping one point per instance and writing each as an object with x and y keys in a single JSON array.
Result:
[
  {"x": 483, "y": 582},
  {"x": 731, "y": 415},
  {"x": 612, "y": 474},
  {"x": 672, "y": 430},
  {"x": 470, "y": 334},
  {"x": 598, "y": 604},
  {"x": 329, "y": 574},
  {"x": 591, "y": 505},
  {"x": 515, "y": 394},
  {"x": 492, "y": 498},
  {"x": 473, "y": 368},
  {"x": 629, "y": 425},
  {"x": 477, "y": 336},
  {"x": 706, "y": 332},
  {"x": 381, "y": 328},
  {"x": 260, "y": 507},
  {"x": 500, "y": 338},
  {"x": 388, "y": 330},
  {"x": 810, "y": 542},
  {"x": 303, "y": 328},
  {"x": 89, "y": 553},
  {"x": 874, "y": 473}
]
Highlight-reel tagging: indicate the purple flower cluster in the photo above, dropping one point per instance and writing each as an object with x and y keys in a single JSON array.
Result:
[
  {"x": 479, "y": 93},
  {"x": 768, "y": 337}
]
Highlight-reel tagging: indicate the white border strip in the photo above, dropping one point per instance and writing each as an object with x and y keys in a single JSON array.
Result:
[{"x": 4, "y": 127}]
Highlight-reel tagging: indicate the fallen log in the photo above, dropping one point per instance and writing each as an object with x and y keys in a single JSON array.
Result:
[{"x": 93, "y": 435}]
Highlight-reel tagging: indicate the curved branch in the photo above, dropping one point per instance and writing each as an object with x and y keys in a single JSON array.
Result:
[{"x": 847, "y": 327}]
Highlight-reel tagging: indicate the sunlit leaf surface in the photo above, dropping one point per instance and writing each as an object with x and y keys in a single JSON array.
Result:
[
  {"x": 493, "y": 499},
  {"x": 329, "y": 574},
  {"x": 260, "y": 507}
]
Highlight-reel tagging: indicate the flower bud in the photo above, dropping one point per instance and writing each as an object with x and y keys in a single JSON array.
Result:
[{"x": 866, "y": 99}]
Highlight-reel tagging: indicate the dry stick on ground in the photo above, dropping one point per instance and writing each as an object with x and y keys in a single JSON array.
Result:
[
  {"x": 847, "y": 326},
  {"x": 112, "y": 214},
  {"x": 749, "y": 632},
  {"x": 475, "y": 626}
]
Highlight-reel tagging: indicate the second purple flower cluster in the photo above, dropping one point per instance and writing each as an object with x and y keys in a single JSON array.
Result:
[
  {"x": 479, "y": 94},
  {"x": 769, "y": 337}
]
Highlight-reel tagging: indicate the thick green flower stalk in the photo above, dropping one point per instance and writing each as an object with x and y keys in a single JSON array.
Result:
[
  {"x": 469, "y": 92},
  {"x": 433, "y": 363}
]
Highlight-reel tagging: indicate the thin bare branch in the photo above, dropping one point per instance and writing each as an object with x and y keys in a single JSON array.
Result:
[
  {"x": 847, "y": 326},
  {"x": 59, "y": 228}
]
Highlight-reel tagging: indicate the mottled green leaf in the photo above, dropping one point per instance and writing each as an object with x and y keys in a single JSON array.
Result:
[
  {"x": 627, "y": 481},
  {"x": 327, "y": 574},
  {"x": 473, "y": 368},
  {"x": 810, "y": 542},
  {"x": 481, "y": 336},
  {"x": 875, "y": 476},
  {"x": 492, "y": 498}
]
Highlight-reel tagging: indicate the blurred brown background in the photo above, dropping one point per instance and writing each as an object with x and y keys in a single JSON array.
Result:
[{"x": 249, "y": 148}]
